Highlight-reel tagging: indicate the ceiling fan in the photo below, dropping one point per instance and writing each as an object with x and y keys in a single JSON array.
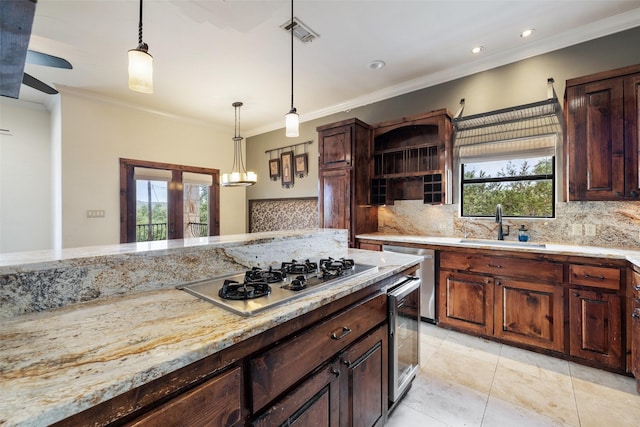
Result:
[
  {"x": 16, "y": 20},
  {"x": 47, "y": 60}
]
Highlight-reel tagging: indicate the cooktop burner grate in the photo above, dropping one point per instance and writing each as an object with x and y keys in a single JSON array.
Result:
[
  {"x": 242, "y": 291},
  {"x": 259, "y": 275}
]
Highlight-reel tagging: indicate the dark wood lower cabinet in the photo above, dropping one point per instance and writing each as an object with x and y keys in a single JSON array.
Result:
[
  {"x": 217, "y": 402},
  {"x": 529, "y": 313},
  {"x": 350, "y": 391},
  {"x": 573, "y": 308},
  {"x": 364, "y": 381},
  {"x": 466, "y": 302},
  {"x": 596, "y": 326},
  {"x": 314, "y": 403}
]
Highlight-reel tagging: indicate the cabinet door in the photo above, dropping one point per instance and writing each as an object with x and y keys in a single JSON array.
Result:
[
  {"x": 635, "y": 341},
  {"x": 466, "y": 301},
  {"x": 596, "y": 326},
  {"x": 632, "y": 134},
  {"x": 529, "y": 313},
  {"x": 595, "y": 134},
  {"x": 314, "y": 403},
  {"x": 216, "y": 402},
  {"x": 335, "y": 147},
  {"x": 335, "y": 210},
  {"x": 364, "y": 385}
]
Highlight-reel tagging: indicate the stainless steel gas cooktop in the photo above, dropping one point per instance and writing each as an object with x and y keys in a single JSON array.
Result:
[{"x": 257, "y": 289}]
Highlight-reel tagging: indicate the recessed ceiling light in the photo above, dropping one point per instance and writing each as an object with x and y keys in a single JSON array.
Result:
[
  {"x": 527, "y": 33},
  {"x": 376, "y": 65},
  {"x": 477, "y": 49}
]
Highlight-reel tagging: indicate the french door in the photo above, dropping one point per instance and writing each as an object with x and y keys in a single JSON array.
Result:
[{"x": 160, "y": 201}]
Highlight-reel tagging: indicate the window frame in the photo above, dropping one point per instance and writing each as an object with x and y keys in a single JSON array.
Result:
[
  {"x": 506, "y": 157},
  {"x": 176, "y": 196}
]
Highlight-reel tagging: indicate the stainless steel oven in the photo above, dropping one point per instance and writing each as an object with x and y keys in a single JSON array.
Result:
[{"x": 404, "y": 335}]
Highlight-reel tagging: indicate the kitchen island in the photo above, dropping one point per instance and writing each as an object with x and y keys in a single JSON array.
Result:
[{"x": 60, "y": 362}]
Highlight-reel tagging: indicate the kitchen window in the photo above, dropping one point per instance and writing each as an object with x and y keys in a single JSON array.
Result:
[
  {"x": 160, "y": 201},
  {"x": 518, "y": 174},
  {"x": 508, "y": 157}
]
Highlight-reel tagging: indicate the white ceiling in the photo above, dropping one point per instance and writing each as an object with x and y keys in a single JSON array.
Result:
[{"x": 208, "y": 54}]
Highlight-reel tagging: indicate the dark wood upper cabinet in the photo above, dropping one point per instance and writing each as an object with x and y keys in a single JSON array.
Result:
[
  {"x": 344, "y": 172},
  {"x": 412, "y": 158},
  {"x": 602, "y": 135},
  {"x": 335, "y": 143}
]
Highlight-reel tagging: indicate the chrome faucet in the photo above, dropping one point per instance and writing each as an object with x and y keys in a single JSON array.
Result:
[{"x": 501, "y": 232}]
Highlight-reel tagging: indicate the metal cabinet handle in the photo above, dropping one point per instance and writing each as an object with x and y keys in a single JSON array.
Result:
[
  {"x": 636, "y": 288},
  {"x": 634, "y": 193},
  {"x": 347, "y": 363},
  {"x": 335, "y": 372},
  {"x": 494, "y": 265},
  {"x": 577, "y": 295},
  {"x": 635, "y": 315},
  {"x": 589, "y": 276},
  {"x": 345, "y": 331},
  {"x": 498, "y": 283}
]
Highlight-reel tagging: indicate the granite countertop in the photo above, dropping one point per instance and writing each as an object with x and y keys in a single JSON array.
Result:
[
  {"x": 57, "y": 363},
  {"x": 633, "y": 256}
]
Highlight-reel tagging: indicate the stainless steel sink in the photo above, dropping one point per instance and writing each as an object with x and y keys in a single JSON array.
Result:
[{"x": 509, "y": 243}]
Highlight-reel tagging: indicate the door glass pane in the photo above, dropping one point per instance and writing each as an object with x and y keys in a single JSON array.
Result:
[
  {"x": 151, "y": 210},
  {"x": 196, "y": 210}
]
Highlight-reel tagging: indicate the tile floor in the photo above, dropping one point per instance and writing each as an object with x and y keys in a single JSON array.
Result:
[{"x": 468, "y": 381}]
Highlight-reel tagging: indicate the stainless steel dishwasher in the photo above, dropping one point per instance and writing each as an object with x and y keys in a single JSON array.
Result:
[{"x": 426, "y": 273}]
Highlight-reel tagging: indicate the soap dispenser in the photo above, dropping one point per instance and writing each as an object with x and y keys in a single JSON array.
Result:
[{"x": 523, "y": 234}]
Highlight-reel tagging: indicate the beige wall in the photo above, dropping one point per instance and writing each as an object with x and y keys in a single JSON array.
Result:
[
  {"x": 95, "y": 135},
  {"x": 518, "y": 83}
]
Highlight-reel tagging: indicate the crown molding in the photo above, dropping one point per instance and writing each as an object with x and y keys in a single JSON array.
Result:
[{"x": 595, "y": 30}]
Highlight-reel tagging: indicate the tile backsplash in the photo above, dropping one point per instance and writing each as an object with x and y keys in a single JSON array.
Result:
[{"x": 617, "y": 224}]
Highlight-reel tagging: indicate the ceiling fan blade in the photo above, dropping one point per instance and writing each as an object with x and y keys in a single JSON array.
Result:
[
  {"x": 37, "y": 84},
  {"x": 16, "y": 19},
  {"x": 47, "y": 60}
]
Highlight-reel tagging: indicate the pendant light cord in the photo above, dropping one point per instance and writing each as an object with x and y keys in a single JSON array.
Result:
[
  {"x": 140, "y": 25},
  {"x": 292, "y": 25}
]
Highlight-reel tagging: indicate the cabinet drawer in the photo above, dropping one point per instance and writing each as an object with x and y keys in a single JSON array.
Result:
[
  {"x": 502, "y": 266},
  {"x": 279, "y": 368},
  {"x": 599, "y": 277},
  {"x": 216, "y": 402}
]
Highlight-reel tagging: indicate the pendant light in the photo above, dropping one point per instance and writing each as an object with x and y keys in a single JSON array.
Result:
[
  {"x": 291, "y": 119},
  {"x": 239, "y": 177},
  {"x": 140, "y": 64}
]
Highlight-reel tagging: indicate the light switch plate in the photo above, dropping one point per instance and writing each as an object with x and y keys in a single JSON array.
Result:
[
  {"x": 95, "y": 213},
  {"x": 589, "y": 229},
  {"x": 576, "y": 230}
]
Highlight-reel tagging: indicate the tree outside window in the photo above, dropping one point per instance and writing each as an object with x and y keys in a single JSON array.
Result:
[{"x": 524, "y": 187}]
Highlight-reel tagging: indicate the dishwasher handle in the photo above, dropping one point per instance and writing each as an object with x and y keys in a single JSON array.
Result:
[{"x": 425, "y": 253}]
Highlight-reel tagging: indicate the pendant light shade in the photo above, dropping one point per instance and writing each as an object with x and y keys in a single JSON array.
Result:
[
  {"x": 238, "y": 177},
  {"x": 140, "y": 64},
  {"x": 292, "y": 121}
]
